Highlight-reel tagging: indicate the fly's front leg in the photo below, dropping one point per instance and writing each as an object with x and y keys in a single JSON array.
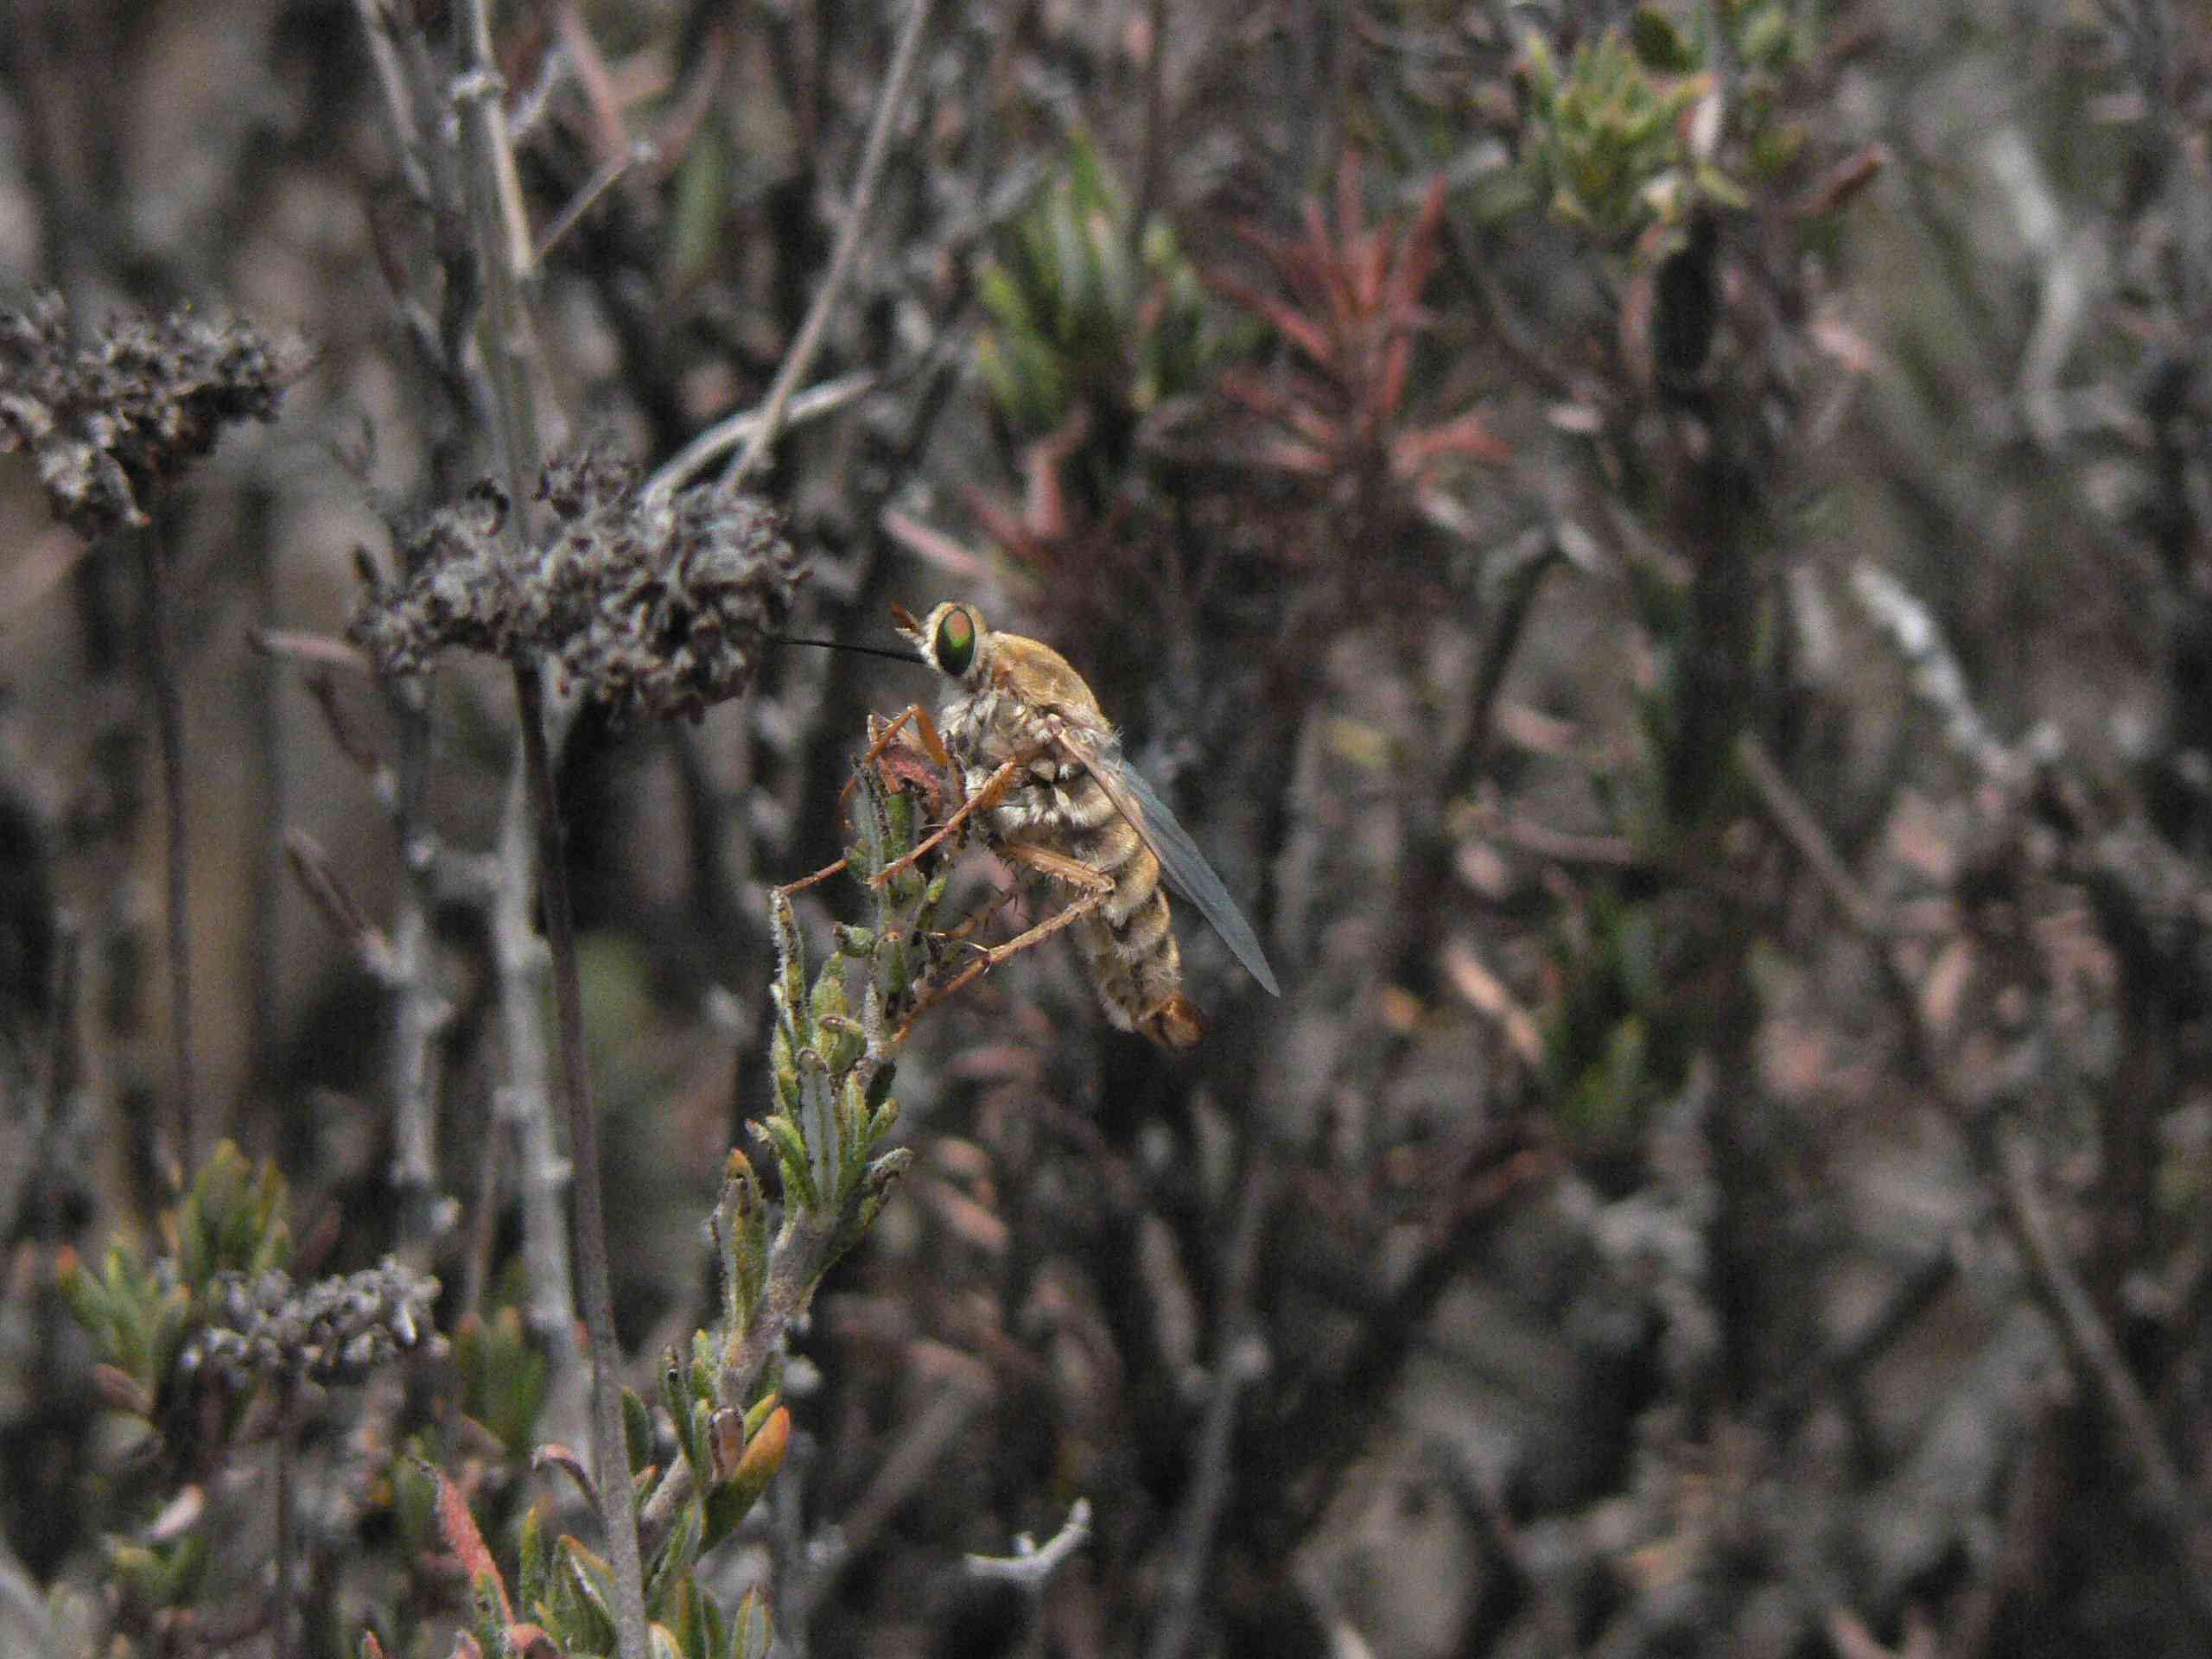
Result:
[
  {"x": 992, "y": 791},
  {"x": 806, "y": 881},
  {"x": 883, "y": 734}
]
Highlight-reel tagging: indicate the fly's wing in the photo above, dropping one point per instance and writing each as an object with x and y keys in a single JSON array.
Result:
[{"x": 1178, "y": 855}]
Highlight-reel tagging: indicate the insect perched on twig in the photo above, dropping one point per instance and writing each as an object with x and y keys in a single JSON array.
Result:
[{"x": 1043, "y": 780}]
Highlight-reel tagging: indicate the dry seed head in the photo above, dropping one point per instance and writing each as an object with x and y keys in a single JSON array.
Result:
[
  {"x": 648, "y": 607},
  {"x": 110, "y": 422},
  {"x": 333, "y": 1330}
]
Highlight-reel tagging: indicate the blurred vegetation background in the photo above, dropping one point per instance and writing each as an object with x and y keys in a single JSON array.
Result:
[{"x": 1661, "y": 552}]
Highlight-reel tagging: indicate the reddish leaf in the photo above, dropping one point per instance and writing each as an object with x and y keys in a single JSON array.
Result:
[
  {"x": 553, "y": 1454},
  {"x": 467, "y": 1545},
  {"x": 1467, "y": 436},
  {"x": 931, "y": 546}
]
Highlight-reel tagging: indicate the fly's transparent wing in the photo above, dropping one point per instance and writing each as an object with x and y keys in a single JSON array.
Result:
[{"x": 1178, "y": 855}]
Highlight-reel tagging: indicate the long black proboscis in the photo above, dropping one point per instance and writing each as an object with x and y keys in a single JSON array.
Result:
[{"x": 841, "y": 644}]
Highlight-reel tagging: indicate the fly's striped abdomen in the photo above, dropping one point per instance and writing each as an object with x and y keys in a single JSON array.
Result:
[{"x": 1126, "y": 943}]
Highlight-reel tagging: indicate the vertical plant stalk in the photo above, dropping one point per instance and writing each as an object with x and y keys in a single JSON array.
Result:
[
  {"x": 161, "y": 668},
  {"x": 542, "y": 1175},
  {"x": 501, "y": 248},
  {"x": 288, "y": 1446},
  {"x": 610, "y": 1458},
  {"x": 1154, "y": 155},
  {"x": 263, "y": 691},
  {"x": 846, "y": 256},
  {"x": 421, "y": 1012}
]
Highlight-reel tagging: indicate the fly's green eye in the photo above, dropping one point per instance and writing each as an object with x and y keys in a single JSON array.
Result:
[{"x": 955, "y": 642}]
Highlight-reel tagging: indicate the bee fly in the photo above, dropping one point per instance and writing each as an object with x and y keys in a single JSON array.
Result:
[{"x": 1044, "y": 780}]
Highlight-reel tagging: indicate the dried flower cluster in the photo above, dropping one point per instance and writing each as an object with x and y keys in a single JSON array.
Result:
[
  {"x": 338, "y": 1330},
  {"x": 642, "y": 603},
  {"x": 110, "y": 422}
]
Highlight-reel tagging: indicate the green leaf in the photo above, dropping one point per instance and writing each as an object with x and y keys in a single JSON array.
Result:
[
  {"x": 698, "y": 223},
  {"x": 637, "y": 1429},
  {"x": 1658, "y": 43},
  {"x": 783, "y": 1134},
  {"x": 750, "y": 1637},
  {"x": 533, "y": 1567},
  {"x": 672, "y": 1563},
  {"x": 841, "y": 1040},
  {"x": 590, "y": 1581},
  {"x": 829, "y": 1002}
]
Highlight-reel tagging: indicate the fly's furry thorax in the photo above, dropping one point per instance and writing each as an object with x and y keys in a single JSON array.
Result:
[
  {"x": 1018, "y": 700},
  {"x": 993, "y": 726}
]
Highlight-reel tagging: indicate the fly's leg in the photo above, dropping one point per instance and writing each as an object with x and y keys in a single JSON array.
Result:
[
  {"x": 932, "y": 741},
  {"x": 992, "y": 791},
  {"x": 1093, "y": 887},
  {"x": 806, "y": 881},
  {"x": 881, "y": 734},
  {"x": 981, "y": 919}
]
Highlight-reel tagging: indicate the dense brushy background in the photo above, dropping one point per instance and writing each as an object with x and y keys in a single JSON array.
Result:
[{"x": 1663, "y": 555}]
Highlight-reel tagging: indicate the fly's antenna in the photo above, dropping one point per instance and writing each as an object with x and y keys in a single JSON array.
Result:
[{"x": 841, "y": 644}]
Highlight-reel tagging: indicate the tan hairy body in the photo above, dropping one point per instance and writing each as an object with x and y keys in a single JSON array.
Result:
[{"x": 1055, "y": 812}]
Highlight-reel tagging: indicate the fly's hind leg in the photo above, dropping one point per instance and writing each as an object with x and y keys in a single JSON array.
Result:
[
  {"x": 980, "y": 918},
  {"x": 1092, "y": 887}
]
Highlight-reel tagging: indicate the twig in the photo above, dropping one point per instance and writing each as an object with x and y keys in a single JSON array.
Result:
[
  {"x": 317, "y": 649},
  {"x": 2089, "y": 1341},
  {"x": 405, "y": 959},
  {"x": 1937, "y": 677},
  {"x": 610, "y": 137},
  {"x": 311, "y": 868},
  {"x": 1317, "y": 1437},
  {"x": 1241, "y": 1361},
  {"x": 808, "y": 1572},
  {"x": 796, "y": 1264},
  {"x": 265, "y": 691},
  {"x": 1527, "y": 563},
  {"x": 1031, "y": 1564},
  {"x": 169, "y": 715},
  {"x": 1782, "y": 1406},
  {"x": 608, "y": 176},
  {"x": 1559, "y": 846},
  {"x": 287, "y": 1450},
  {"x": 1150, "y": 168},
  {"x": 800, "y": 358},
  {"x": 383, "y": 782},
  {"x": 917, "y": 1450},
  {"x": 1788, "y": 812},
  {"x": 391, "y": 74},
  {"x": 610, "y": 1458},
  {"x": 731, "y": 430}
]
